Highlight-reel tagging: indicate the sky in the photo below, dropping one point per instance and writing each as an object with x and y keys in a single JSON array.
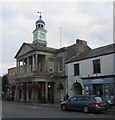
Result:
[{"x": 85, "y": 20}]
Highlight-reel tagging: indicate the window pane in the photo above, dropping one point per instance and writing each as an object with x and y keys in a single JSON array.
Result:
[
  {"x": 81, "y": 98},
  {"x": 96, "y": 66},
  {"x": 98, "y": 99},
  {"x": 76, "y": 69},
  {"x": 73, "y": 99}
]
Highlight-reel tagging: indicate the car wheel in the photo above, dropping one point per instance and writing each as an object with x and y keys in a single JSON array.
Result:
[
  {"x": 85, "y": 109},
  {"x": 63, "y": 107}
]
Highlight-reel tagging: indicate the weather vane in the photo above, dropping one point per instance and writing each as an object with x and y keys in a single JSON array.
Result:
[{"x": 40, "y": 14}]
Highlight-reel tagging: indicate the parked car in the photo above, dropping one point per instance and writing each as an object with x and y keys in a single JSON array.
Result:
[{"x": 86, "y": 103}]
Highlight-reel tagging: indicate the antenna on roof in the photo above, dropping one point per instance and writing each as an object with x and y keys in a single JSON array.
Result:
[{"x": 60, "y": 37}]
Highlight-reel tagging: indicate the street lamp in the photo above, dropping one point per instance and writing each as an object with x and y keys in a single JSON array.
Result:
[{"x": 52, "y": 89}]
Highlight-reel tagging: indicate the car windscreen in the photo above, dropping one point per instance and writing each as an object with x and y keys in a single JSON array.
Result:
[{"x": 98, "y": 99}]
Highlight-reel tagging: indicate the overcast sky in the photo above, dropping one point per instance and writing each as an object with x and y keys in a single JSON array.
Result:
[{"x": 90, "y": 21}]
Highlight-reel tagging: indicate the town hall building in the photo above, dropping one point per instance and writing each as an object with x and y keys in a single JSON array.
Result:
[{"x": 41, "y": 72}]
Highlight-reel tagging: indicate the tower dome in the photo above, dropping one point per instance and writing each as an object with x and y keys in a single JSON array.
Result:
[{"x": 40, "y": 23}]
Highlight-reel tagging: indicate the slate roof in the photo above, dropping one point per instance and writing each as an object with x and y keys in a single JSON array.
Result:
[
  {"x": 44, "y": 49},
  {"x": 104, "y": 50}
]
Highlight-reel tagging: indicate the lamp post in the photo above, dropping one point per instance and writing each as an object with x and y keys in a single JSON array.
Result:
[{"x": 52, "y": 89}]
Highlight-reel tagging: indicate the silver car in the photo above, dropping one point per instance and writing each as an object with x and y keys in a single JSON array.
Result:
[{"x": 86, "y": 103}]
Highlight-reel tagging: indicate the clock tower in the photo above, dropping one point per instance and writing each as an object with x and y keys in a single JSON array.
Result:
[{"x": 39, "y": 34}]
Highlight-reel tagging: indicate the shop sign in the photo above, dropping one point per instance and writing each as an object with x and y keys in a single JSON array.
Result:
[{"x": 97, "y": 81}]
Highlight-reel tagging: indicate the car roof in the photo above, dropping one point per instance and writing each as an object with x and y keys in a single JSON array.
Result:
[{"x": 86, "y": 95}]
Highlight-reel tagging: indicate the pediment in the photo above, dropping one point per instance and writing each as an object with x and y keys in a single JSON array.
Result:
[{"x": 24, "y": 49}]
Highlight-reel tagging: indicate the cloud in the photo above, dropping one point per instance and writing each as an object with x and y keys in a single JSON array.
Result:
[{"x": 88, "y": 21}]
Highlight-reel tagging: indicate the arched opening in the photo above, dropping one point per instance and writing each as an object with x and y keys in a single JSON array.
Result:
[
  {"x": 61, "y": 90},
  {"x": 77, "y": 89}
]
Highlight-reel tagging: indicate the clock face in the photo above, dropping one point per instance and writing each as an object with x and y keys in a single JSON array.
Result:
[{"x": 42, "y": 35}]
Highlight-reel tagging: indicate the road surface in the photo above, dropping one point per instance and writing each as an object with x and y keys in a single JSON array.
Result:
[{"x": 28, "y": 110}]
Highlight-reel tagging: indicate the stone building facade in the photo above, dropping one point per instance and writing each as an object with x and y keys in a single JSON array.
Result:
[
  {"x": 11, "y": 75},
  {"x": 98, "y": 75},
  {"x": 41, "y": 71}
]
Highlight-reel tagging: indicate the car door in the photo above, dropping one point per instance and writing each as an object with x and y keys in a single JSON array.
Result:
[
  {"x": 80, "y": 102},
  {"x": 71, "y": 103}
]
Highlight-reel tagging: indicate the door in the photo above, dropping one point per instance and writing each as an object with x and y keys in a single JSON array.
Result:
[
  {"x": 77, "y": 89},
  {"x": 80, "y": 102}
]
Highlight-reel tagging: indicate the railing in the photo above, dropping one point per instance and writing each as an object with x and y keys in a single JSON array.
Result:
[
  {"x": 39, "y": 74},
  {"x": 31, "y": 75}
]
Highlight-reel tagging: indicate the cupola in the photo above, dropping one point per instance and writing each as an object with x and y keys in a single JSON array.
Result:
[{"x": 39, "y": 34}]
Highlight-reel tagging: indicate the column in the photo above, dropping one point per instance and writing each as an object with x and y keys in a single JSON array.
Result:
[
  {"x": 17, "y": 66},
  {"x": 36, "y": 95},
  {"x": 46, "y": 91},
  {"x": 16, "y": 93},
  {"x": 36, "y": 62},
  {"x": 27, "y": 65},
  {"x": 22, "y": 94},
  {"x": 32, "y": 93},
  {"x": 33, "y": 63},
  {"x": 27, "y": 93},
  {"x": 44, "y": 64},
  {"x": 23, "y": 71}
]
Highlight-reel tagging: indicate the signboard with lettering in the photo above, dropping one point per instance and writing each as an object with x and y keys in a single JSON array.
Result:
[{"x": 97, "y": 81}]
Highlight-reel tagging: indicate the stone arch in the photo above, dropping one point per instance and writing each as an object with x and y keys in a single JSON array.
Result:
[{"x": 77, "y": 89}]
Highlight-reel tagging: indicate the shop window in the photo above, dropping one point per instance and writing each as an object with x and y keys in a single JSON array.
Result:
[
  {"x": 96, "y": 66},
  {"x": 98, "y": 89},
  {"x": 76, "y": 69},
  {"x": 108, "y": 90}
]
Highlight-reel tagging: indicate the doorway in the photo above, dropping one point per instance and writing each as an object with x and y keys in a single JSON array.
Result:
[{"x": 77, "y": 89}]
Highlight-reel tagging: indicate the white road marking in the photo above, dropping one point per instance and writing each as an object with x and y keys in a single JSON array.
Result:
[{"x": 35, "y": 107}]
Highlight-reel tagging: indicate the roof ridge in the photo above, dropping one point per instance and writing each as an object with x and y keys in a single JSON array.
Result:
[{"x": 100, "y": 51}]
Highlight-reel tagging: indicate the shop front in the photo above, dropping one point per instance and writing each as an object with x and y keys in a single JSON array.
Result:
[{"x": 103, "y": 87}]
